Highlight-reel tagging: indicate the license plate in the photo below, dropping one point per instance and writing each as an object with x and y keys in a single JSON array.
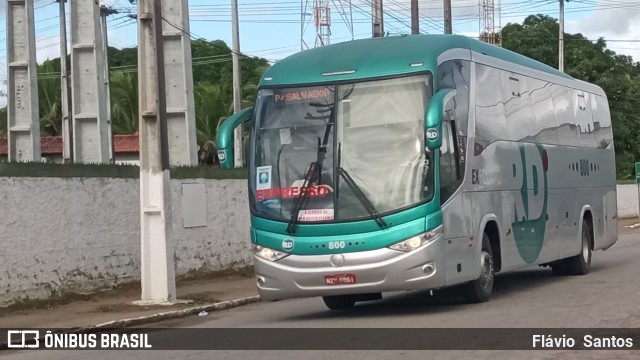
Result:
[{"x": 340, "y": 279}]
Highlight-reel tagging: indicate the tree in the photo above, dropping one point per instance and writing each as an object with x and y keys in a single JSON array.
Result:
[
  {"x": 212, "y": 107},
  {"x": 49, "y": 97},
  {"x": 124, "y": 102}
]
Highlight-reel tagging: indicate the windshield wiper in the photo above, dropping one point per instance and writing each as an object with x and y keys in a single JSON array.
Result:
[
  {"x": 314, "y": 166},
  {"x": 362, "y": 197},
  {"x": 299, "y": 202}
]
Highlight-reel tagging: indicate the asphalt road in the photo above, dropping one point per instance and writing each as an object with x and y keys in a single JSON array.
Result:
[{"x": 609, "y": 297}]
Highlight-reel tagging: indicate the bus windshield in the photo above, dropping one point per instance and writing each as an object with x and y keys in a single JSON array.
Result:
[{"x": 340, "y": 152}]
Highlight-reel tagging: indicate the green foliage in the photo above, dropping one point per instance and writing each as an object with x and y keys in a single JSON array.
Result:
[
  {"x": 3, "y": 122},
  {"x": 49, "y": 98},
  {"x": 617, "y": 75},
  {"x": 124, "y": 102}
]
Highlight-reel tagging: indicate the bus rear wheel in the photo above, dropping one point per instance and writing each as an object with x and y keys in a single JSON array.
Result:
[
  {"x": 581, "y": 263},
  {"x": 480, "y": 290},
  {"x": 340, "y": 302}
]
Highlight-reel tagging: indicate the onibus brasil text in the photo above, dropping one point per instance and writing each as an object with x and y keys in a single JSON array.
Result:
[{"x": 90, "y": 341}]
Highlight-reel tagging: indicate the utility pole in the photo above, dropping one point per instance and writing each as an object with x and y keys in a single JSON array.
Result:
[
  {"x": 104, "y": 12},
  {"x": 377, "y": 18},
  {"x": 178, "y": 68},
  {"x": 65, "y": 89},
  {"x": 89, "y": 111},
  {"x": 157, "y": 264},
  {"x": 415, "y": 17},
  {"x": 447, "y": 17},
  {"x": 561, "y": 38},
  {"x": 238, "y": 153},
  {"x": 23, "y": 116}
]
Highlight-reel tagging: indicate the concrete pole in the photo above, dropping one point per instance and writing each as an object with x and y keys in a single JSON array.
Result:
[
  {"x": 104, "y": 12},
  {"x": 23, "y": 114},
  {"x": 447, "y": 17},
  {"x": 180, "y": 104},
  {"x": 238, "y": 153},
  {"x": 65, "y": 89},
  {"x": 415, "y": 17},
  {"x": 561, "y": 38},
  {"x": 157, "y": 266},
  {"x": 377, "y": 18},
  {"x": 89, "y": 110}
]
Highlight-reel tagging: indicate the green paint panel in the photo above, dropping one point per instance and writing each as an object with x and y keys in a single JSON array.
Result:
[
  {"x": 379, "y": 57},
  {"x": 638, "y": 173},
  {"x": 356, "y": 241},
  {"x": 352, "y": 227}
]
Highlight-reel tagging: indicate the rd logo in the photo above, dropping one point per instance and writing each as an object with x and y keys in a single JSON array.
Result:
[{"x": 530, "y": 208}]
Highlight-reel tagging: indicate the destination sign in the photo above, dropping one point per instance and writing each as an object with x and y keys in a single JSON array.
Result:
[
  {"x": 293, "y": 192},
  {"x": 287, "y": 96}
]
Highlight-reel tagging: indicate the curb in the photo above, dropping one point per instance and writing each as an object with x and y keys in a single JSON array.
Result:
[{"x": 176, "y": 314}]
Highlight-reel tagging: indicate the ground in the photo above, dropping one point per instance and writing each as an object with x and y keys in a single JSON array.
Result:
[{"x": 92, "y": 309}]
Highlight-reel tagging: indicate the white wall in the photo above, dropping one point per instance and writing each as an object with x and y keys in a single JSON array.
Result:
[
  {"x": 628, "y": 201},
  {"x": 82, "y": 234}
]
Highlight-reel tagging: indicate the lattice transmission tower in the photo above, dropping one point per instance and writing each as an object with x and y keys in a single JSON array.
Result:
[
  {"x": 318, "y": 14},
  {"x": 490, "y": 31}
]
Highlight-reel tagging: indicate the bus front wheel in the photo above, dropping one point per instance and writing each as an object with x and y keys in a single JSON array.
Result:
[{"x": 480, "y": 289}]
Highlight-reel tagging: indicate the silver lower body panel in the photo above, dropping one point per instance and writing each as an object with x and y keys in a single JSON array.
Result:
[{"x": 382, "y": 270}]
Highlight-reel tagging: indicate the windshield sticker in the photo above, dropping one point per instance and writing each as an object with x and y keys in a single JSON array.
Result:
[
  {"x": 285, "y": 136},
  {"x": 287, "y": 96},
  {"x": 263, "y": 177},
  {"x": 315, "y": 215},
  {"x": 293, "y": 192}
]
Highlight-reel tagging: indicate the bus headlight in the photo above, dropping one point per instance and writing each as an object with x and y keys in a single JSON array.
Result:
[
  {"x": 268, "y": 254},
  {"x": 417, "y": 241}
]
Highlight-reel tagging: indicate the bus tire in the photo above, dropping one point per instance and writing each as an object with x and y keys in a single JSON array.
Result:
[
  {"x": 578, "y": 264},
  {"x": 480, "y": 290},
  {"x": 340, "y": 302},
  {"x": 581, "y": 263}
]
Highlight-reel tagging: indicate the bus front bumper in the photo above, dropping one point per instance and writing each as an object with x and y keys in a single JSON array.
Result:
[{"x": 374, "y": 271}]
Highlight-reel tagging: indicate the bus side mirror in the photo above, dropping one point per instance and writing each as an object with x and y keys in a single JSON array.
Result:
[
  {"x": 224, "y": 138},
  {"x": 434, "y": 116}
]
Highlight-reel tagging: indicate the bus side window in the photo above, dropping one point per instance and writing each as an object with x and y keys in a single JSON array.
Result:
[
  {"x": 454, "y": 74},
  {"x": 450, "y": 174}
]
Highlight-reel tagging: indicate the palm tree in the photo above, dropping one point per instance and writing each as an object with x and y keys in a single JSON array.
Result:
[
  {"x": 211, "y": 109},
  {"x": 124, "y": 102},
  {"x": 49, "y": 98}
]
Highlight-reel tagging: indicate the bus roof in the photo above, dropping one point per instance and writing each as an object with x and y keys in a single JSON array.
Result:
[{"x": 385, "y": 56}]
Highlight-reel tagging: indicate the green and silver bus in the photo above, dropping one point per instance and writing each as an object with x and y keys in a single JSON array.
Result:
[{"x": 421, "y": 162}]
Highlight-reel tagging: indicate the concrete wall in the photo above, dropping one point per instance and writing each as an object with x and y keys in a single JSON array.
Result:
[
  {"x": 82, "y": 234},
  {"x": 628, "y": 201}
]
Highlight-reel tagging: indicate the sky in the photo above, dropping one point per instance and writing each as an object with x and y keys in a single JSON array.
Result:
[{"x": 272, "y": 28}]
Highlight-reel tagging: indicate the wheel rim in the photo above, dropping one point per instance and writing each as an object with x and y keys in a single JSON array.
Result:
[
  {"x": 585, "y": 245},
  {"x": 486, "y": 278}
]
